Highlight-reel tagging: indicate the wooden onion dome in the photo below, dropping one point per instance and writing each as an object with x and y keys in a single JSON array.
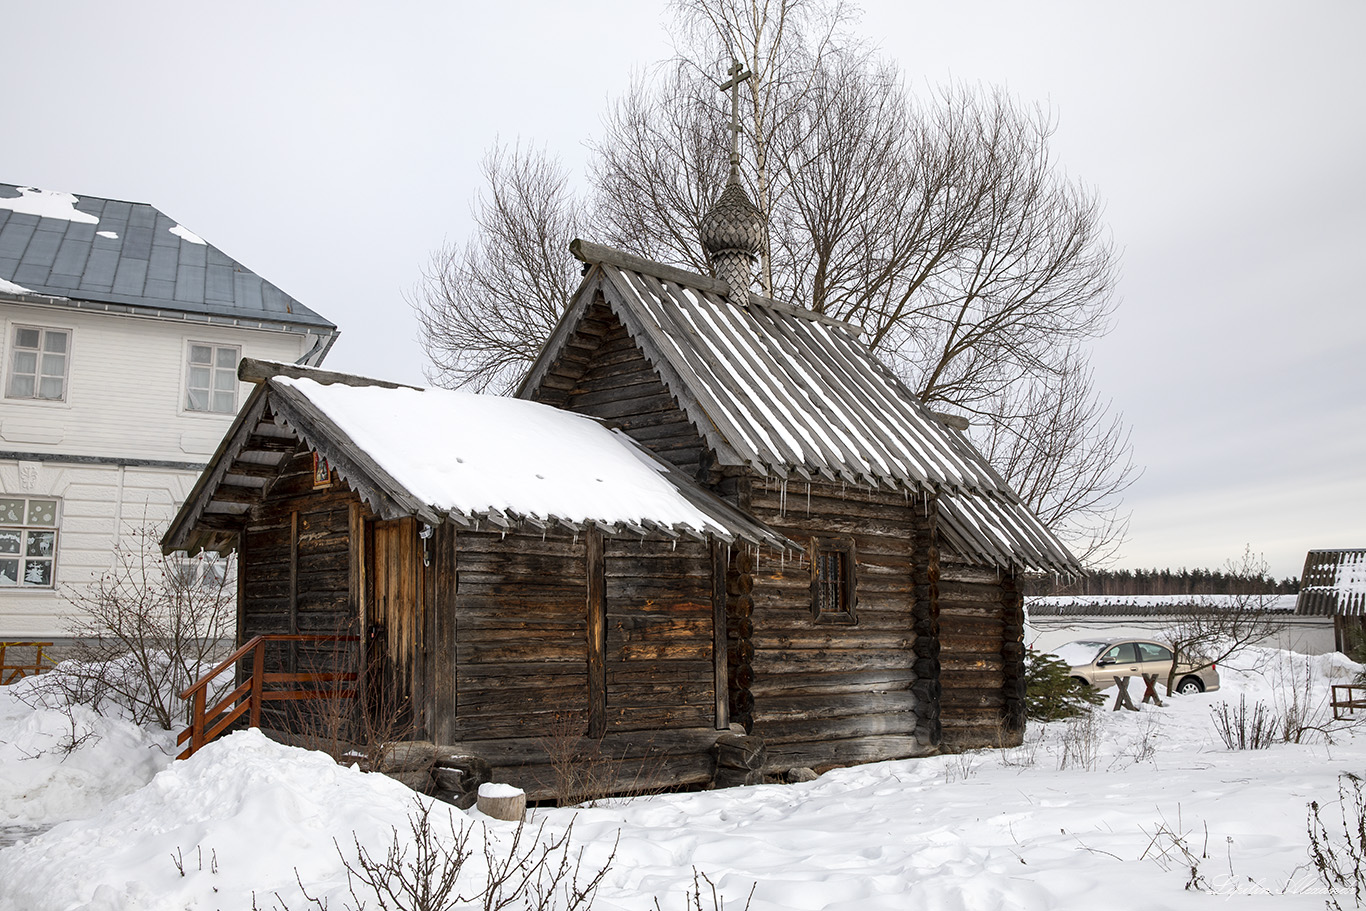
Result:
[{"x": 732, "y": 235}]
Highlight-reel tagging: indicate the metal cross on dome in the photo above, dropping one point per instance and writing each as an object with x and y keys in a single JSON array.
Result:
[{"x": 738, "y": 74}]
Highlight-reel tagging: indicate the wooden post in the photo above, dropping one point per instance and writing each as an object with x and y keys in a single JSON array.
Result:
[
  {"x": 597, "y": 635},
  {"x": 197, "y": 720},
  {"x": 258, "y": 673},
  {"x": 720, "y": 665},
  {"x": 1122, "y": 700}
]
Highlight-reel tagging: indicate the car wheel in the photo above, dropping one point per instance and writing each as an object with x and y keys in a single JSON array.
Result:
[
  {"x": 1189, "y": 686},
  {"x": 1082, "y": 681}
]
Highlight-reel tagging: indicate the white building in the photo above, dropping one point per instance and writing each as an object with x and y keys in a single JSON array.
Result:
[{"x": 121, "y": 336}]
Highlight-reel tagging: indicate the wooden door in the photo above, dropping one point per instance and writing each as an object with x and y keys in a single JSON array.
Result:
[{"x": 393, "y": 626}]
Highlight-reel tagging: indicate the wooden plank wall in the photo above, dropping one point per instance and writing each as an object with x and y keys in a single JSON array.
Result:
[
  {"x": 295, "y": 568},
  {"x": 827, "y": 692},
  {"x": 604, "y": 374},
  {"x": 660, "y": 672},
  {"x": 521, "y": 641},
  {"x": 523, "y": 668},
  {"x": 972, "y": 615}
]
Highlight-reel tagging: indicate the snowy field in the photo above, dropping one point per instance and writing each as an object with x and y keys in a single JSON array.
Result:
[{"x": 1147, "y": 810}]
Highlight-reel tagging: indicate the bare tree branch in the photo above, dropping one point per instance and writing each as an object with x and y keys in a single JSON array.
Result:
[
  {"x": 486, "y": 308},
  {"x": 942, "y": 226}
]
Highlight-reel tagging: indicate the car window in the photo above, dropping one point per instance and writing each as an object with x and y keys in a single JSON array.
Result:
[
  {"x": 1151, "y": 651},
  {"x": 1121, "y": 654}
]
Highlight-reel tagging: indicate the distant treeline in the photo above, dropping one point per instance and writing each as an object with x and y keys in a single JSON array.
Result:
[{"x": 1159, "y": 582}]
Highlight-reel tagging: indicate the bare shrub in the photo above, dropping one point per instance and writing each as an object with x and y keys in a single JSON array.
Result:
[
  {"x": 1024, "y": 755},
  {"x": 1242, "y": 728},
  {"x": 422, "y": 871},
  {"x": 341, "y": 721},
  {"x": 583, "y": 772},
  {"x": 1300, "y": 714},
  {"x": 1171, "y": 848},
  {"x": 1337, "y": 848},
  {"x": 693, "y": 901},
  {"x": 1080, "y": 743},
  {"x": 146, "y": 630},
  {"x": 1143, "y": 748},
  {"x": 958, "y": 767}
]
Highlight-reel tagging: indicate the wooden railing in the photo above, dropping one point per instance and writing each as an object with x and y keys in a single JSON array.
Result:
[
  {"x": 207, "y": 722},
  {"x": 12, "y": 672},
  {"x": 1348, "y": 698}
]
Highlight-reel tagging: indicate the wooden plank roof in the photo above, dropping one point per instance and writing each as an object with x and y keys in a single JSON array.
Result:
[
  {"x": 394, "y": 479},
  {"x": 1333, "y": 583},
  {"x": 794, "y": 394}
]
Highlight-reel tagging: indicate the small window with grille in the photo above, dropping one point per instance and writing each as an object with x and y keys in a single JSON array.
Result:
[{"x": 832, "y": 580}]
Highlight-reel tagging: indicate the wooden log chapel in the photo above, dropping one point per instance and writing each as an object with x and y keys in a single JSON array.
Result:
[{"x": 703, "y": 509}]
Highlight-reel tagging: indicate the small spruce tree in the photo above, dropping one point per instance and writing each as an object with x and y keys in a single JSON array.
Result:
[{"x": 1051, "y": 692}]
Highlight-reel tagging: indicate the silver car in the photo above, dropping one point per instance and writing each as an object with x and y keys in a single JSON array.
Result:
[{"x": 1098, "y": 661}]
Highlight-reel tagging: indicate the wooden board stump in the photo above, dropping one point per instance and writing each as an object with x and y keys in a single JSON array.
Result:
[{"x": 502, "y": 801}]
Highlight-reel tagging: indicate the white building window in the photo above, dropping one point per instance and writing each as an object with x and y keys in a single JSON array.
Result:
[
  {"x": 211, "y": 378},
  {"x": 37, "y": 364},
  {"x": 205, "y": 571},
  {"x": 28, "y": 541}
]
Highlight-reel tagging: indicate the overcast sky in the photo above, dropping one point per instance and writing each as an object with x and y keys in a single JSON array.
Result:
[{"x": 331, "y": 147}]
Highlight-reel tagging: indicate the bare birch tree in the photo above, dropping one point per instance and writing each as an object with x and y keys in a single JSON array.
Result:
[{"x": 941, "y": 226}]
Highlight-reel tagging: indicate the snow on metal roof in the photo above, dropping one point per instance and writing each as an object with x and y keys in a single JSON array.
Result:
[
  {"x": 124, "y": 253},
  {"x": 1333, "y": 583}
]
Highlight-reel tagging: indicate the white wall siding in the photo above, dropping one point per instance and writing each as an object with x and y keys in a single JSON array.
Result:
[
  {"x": 100, "y": 505},
  {"x": 125, "y": 388},
  {"x": 124, "y": 405}
]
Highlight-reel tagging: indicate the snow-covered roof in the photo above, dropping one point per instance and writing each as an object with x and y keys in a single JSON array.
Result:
[
  {"x": 793, "y": 394},
  {"x": 476, "y": 460},
  {"x": 1333, "y": 583},
  {"x": 82, "y": 250}
]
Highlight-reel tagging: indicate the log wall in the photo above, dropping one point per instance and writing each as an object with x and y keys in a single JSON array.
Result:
[
  {"x": 603, "y": 373},
  {"x": 835, "y": 692},
  {"x": 973, "y": 614}
]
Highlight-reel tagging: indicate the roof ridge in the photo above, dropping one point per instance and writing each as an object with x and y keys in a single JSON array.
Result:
[
  {"x": 595, "y": 254},
  {"x": 256, "y": 370}
]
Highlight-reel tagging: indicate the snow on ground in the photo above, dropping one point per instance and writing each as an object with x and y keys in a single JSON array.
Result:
[
  {"x": 57, "y": 764},
  {"x": 1003, "y": 829}
]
